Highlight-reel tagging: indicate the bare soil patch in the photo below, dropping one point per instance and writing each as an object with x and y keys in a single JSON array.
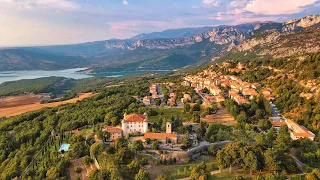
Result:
[
  {"x": 221, "y": 117},
  {"x": 86, "y": 169},
  {"x": 13, "y": 101},
  {"x": 31, "y": 104}
]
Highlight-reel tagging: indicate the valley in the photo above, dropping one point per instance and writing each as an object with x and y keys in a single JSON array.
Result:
[
  {"x": 169, "y": 50},
  {"x": 234, "y": 102}
]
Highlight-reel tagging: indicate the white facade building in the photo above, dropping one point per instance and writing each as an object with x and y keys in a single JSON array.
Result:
[{"x": 134, "y": 123}]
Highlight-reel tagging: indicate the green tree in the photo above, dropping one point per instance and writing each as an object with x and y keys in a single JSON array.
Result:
[
  {"x": 283, "y": 139},
  {"x": 242, "y": 117},
  {"x": 314, "y": 175},
  {"x": 261, "y": 140},
  {"x": 213, "y": 149},
  {"x": 142, "y": 175},
  {"x": 196, "y": 107},
  {"x": 271, "y": 136},
  {"x": 162, "y": 177},
  {"x": 264, "y": 124},
  {"x": 187, "y": 107},
  {"x": 79, "y": 149},
  {"x": 52, "y": 173},
  {"x": 155, "y": 145},
  {"x": 199, "y": 172},
  {"x": 138, "y": 145},
  {"x": 133, "y": 166},
  {"x": 195, "y": 117}
]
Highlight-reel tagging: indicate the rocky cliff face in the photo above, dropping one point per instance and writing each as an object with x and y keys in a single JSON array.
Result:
[
  {"x": 305, "y": 22},
  {"x": 278, "y": 44},
  {"x": 221, "y": 36},
  {"x": 229, "y": 35}
]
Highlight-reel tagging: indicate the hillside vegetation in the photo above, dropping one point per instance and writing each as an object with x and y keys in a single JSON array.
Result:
[{"x": 40, "y": 85}]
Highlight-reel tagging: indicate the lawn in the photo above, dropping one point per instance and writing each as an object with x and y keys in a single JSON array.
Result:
[
  {"x": 181, "y": 170},
  {"x": 167, "y": 112}
]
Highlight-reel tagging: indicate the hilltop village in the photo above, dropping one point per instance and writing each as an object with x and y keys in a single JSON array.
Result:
[{"x": 212, "y": 123}]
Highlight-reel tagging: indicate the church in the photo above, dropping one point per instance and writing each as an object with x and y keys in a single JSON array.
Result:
[{"x": 134, "y": 123}]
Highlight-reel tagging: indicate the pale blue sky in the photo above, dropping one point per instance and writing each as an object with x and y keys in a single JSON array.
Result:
[{"x": 44, "y": 22}]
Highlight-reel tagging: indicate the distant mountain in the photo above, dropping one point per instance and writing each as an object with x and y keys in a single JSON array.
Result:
[
  {"x": 168, "y": 49},
  {"x": 172, "y": 33},
  {"x": 33, "y": 59}
]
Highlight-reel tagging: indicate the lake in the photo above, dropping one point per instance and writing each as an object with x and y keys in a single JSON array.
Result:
[{"x": 68, "y": 73}]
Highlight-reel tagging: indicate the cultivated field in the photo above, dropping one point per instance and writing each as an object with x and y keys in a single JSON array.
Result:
[
  {"x": 13, "y": 106},
  {"x": 221, "y": 117},
  {"x": 14, "y": 101}
]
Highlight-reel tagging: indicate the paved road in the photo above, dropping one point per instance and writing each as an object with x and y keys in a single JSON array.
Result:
[{"x": 299, "y": 163}]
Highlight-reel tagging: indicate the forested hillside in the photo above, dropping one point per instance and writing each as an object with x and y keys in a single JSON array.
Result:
[
  {"x": 40, "y": 85},
  {"x": 22, "y": 137}
]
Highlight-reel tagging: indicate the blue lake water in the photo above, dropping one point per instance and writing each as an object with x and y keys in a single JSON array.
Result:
[{"x": 68, "y": 73}]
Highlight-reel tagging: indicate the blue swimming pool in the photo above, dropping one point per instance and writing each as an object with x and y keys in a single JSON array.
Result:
[{"x": 64, "y": 147}]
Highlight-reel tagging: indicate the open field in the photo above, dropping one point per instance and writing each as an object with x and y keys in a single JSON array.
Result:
[
  {"x": 167, "y": 112},
  {"x": 23, "y": 108},
  {"x": 221, "y": 117},
  {"x": 13, "y": 101},
  {"x": 232, "y": 176},
  {"x": 172, "y": 170}
]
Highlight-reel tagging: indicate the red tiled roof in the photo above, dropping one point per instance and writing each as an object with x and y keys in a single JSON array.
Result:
[
  {"x": 159, "y": 136},
  {"x": 278, "y": 123},
  {"x": 136, "y": 118},
  {"x": 299, "y": 130},
  {"x": 112, "y": 129},
  {"x": 302, "y": 134}
]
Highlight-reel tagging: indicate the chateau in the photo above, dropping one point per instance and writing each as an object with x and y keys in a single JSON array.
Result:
[{"x": 134, "y": 123}]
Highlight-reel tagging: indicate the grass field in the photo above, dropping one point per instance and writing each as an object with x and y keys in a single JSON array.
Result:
[
  {"x": 181, "y": 171},
  {"x": 184, "y": 169},
  {"x": 23, "y": 108},
  {"x": 167, "y": 112}
]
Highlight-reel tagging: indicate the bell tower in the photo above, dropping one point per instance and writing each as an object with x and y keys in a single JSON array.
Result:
[{"x": 168, "y": 127}]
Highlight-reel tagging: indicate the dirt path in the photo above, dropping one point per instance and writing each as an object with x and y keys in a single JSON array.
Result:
[{"x": 20, "y": 109}]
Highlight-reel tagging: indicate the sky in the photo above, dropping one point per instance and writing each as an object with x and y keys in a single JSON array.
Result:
[{"x": 49, "y": 22}]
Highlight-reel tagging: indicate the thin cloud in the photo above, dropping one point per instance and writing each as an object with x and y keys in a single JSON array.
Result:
[
  {"x": 124, "y": 2},
  {"x": 211, "y": 2},
  {"x": 276, "y": 7},
  {"x": 57, "y": 4}
]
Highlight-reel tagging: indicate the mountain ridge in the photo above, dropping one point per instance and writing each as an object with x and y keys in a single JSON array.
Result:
[{"x": 116, "y": 53}]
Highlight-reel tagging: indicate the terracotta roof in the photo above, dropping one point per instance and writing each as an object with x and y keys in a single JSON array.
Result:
[
  {"x": 136, "y": 118},
  {"x": 147, "y": 98},
  {"x": 112, "y": 129},
  {"x": 159, "y": 136},
  {"x": 278, "y": 123},
  {"x": 210, "y": 97},
  {"x": 299, "y": 130},
  {"x": 302, "y": 134}
]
